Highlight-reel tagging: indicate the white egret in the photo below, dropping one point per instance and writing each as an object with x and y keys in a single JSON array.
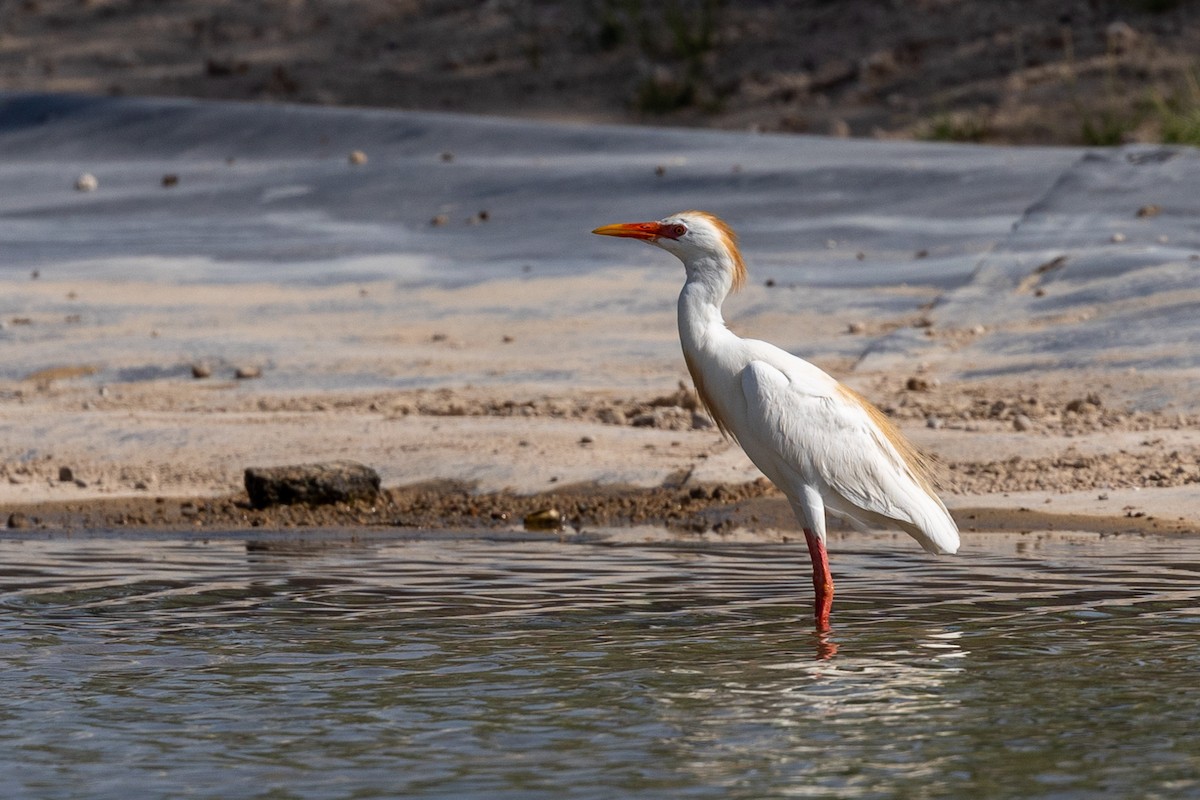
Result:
[{"x": 824, "y": 445}]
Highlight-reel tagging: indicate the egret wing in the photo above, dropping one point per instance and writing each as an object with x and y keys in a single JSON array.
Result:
[{"x": 809, "y": 426}]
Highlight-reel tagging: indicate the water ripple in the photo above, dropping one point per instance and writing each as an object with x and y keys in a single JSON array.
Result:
[{"x": 1030, "y": 666}]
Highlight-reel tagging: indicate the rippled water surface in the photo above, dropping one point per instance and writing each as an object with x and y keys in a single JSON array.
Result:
[{"x": 1030, "y": 666}]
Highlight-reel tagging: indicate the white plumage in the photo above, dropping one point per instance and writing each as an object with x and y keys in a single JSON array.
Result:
[{"x": 825, "y": 447}]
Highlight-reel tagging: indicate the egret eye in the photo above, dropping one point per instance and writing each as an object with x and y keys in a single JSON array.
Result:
[{"x": 678, "y": 230}]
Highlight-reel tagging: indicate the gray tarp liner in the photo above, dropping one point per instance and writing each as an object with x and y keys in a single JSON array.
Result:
[{"x": 1041, "y": 246}]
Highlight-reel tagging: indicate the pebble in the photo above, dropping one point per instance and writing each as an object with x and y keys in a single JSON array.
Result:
[
  {"x": 66, "y": 475},
  {"x": 1117, "y": 238},
  {"x": 544, "y": 519},
  {"x": 916, "y": 385},
  {"x": 170, "y": 180},
  {"x": 439, "y": 220},
  {"x": 1022, "y": 422},
  {"x": 856, "y": 328},
  {"x": 86, "y": 183},
  {"x": 17, "y": 520},
  {"x": 201, "y": 370},
  {"x": 246, "y": 373},
  {"x": 357, "y": 157},
  {"x": 1120, "y": 36},
  {"x": 612, "y": 416},
  {"x": 1149, "y": 210},
  {"x": 933, "y": 422}
]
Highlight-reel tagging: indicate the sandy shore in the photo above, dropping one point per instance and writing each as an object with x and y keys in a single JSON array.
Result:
[
  {"x": 1020, "y": 313},
  {"x": 170, "y": 450}
]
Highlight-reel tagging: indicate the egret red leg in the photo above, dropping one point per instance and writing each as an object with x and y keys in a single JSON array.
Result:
[{"x": 822, "y": 580}]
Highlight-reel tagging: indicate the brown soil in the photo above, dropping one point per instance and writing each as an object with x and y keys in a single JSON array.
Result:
[
  {"x": 1067, "y": 444},
  {"x": 1024, "y": 71},
  {"x": 449, "y": 506}
]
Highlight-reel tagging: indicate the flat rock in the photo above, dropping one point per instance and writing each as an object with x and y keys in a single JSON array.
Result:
[{"x": 311, "y": 484}]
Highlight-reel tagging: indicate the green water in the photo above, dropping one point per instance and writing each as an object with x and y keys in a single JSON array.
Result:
[{"x": 1027, "y": 667}]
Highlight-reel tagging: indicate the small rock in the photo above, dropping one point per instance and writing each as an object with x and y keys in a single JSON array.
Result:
[
  {"x": 65, "y": 475},
  {"x": 357, "y": 157},
  {"x": 1022, "y": 422},
  {"x": 201, "y": 370},
  {"x": 311, "y": 484},
  {"x": 1149, "y": 210},
  {"x": 612, "y": 416},
  {"x": 17, "y": 520},
  {"x": 170, "y": 180},
  {"x": 246, "y": 373},
  {"x": 1121, "y": 36},
  {"x": 701, "y": 422},
  {"x": 856, "y": 328},
  {"x": 915, "y": 384},
  {"x": 660, "y": 170},
  {"x": 1117, "y": 238},
  {"x": 933, "y": 422},
  {"x": 586, "y": 440},
  {"x": 1082, "y": 405},
  {"x": 545, "y": 519},
  {"x": 645, "y": 420},
  {"x": 447, "y": 157},
  {"x": 439, "y": 220},
  {"x": 86, "y": 183}
]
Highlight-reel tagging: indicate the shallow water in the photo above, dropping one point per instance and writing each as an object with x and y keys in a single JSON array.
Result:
[{"x": 1030, "y": 666}]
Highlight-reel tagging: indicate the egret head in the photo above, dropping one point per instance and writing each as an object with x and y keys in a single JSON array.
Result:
[{"x": 694, "y": 237}]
